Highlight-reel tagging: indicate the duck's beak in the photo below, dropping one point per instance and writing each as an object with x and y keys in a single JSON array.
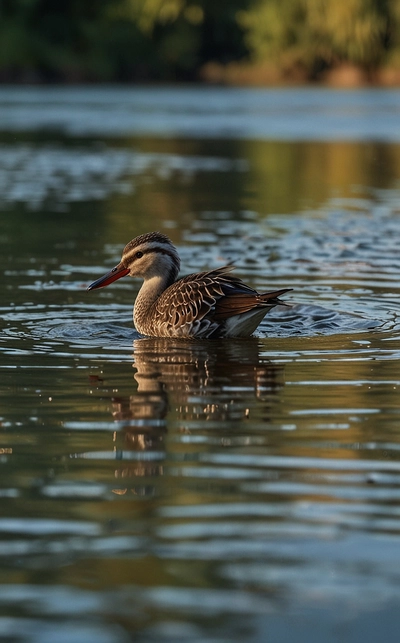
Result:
[{"x": 114, "y": 274}]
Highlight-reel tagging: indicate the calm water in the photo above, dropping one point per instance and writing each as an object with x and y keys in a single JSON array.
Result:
[{"x": 237, "y": 490}]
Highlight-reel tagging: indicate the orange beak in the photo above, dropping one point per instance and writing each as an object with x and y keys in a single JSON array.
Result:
[{"x": 114, "y": 274}]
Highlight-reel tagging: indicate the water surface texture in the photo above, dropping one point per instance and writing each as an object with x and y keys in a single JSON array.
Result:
[{"x": 173, "y": 491}]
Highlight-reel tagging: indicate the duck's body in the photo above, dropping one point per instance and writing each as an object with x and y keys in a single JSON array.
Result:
[{"x": 203, "y": 305}]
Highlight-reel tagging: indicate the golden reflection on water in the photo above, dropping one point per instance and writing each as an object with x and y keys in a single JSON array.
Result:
[
  {"x": 288, "y": 177},
  {"x": 276, "y": 178}
]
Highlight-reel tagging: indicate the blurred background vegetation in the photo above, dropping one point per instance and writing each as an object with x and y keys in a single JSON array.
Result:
[{"x": 228, "y": 41}]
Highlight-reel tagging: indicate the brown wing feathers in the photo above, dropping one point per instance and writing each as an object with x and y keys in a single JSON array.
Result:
[
  {"x": 237, "y": 304},
  {"x": 214, "y": 294}
]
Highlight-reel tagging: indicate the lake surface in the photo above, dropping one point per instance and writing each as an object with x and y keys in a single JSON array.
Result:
[{"x": 235, "y": 490}]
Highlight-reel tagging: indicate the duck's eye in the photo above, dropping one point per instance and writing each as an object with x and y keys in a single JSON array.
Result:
[{"x": 139, "y": 254}]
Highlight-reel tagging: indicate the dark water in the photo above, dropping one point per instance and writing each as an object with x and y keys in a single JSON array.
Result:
[{"x": 237, "y": 490}]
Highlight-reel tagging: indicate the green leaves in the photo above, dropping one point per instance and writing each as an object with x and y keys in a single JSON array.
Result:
[{"x": 175, "y": 39}]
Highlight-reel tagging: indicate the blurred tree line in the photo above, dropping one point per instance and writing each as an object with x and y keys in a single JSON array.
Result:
[{"x": 175, "y": 40}]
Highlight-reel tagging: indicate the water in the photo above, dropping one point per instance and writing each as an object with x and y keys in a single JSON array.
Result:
[{"x": 156, "y": 490}]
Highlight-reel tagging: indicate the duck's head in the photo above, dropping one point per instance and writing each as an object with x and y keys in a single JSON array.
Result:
[{"x": 147, "y": 256}]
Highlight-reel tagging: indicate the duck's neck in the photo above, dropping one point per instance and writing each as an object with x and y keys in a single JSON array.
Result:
[{"x": 148, "y": 294}]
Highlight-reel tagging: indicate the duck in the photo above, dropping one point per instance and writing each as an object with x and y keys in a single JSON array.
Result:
[{"x": 204, "y": 305}]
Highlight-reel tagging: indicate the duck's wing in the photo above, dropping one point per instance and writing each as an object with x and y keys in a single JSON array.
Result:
[{"x": 203, "y": 301}]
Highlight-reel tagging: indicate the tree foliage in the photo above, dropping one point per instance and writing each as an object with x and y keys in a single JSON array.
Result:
[
  {"x": 317, "y": 33},
  {"x": 82, "y": 40}
]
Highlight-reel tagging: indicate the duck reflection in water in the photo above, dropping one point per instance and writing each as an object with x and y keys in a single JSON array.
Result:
[{"x": 204, "y": 386}]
